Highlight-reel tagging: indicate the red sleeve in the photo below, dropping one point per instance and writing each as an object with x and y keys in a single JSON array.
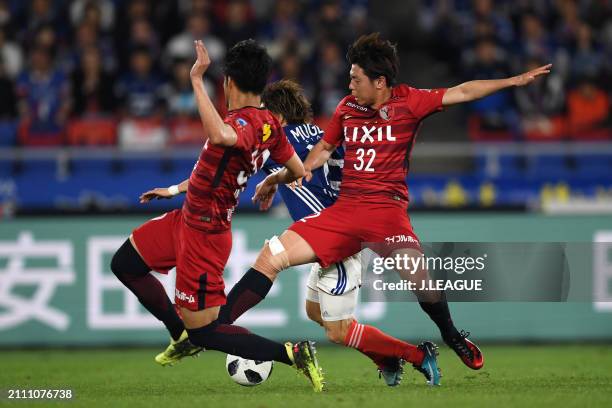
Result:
[
  {"x": 281, "y": 151},
  {"x": 244, "y": 130},
  {"x": 333, "y": 131},
  {"x": 424, "y": 102}
]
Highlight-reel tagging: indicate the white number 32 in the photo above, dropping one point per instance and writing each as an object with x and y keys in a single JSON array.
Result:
[{"x": 362, "y": 156}]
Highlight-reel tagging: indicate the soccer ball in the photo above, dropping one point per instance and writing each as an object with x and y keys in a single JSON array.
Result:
[{"x": 248, "y": 372}]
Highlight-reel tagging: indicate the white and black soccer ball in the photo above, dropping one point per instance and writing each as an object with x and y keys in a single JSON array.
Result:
[{"x": 248, "y": 372}]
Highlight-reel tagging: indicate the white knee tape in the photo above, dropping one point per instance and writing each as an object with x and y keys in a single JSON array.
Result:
[{"x": 276, "y": 246}]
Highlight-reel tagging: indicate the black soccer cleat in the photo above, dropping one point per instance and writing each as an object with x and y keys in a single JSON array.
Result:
[{"x": 467, "y": 351}]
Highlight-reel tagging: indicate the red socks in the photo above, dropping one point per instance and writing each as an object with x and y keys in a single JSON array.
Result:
[{"x": 378, "y": 345}]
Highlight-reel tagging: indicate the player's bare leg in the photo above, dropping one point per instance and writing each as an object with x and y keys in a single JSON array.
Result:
[
  {"x": 277, "y": 254},
  {"x": 387, "y": 353},
  {"x": 280, "y": 253},
  {"x": 434, "y": 303},
  {"x": 313, "y": 311},
  {"x": 195, "y": 319},
  {"x": 205, "y": 331}
]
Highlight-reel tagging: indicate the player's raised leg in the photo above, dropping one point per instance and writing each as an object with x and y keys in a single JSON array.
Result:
[
  {"x": 390, "y": 369},
  {"x": 342, "y": 307},
  {"x": 318, "y": 237},
  {"x": 434, "y": 303},
  {"x": 200, "y": 292},
  {"x": 129, "y": 265},
  {"x": 251, "y": 289},
  {"x": 386, "y": 352},
  {"x": 277, "y": 254},
  {"x": 134, "y": 273}
]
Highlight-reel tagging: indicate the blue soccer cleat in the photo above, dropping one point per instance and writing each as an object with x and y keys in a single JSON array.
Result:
[
  {"x": 392, "y": 373},
  {"x": 429, "y": 366}
]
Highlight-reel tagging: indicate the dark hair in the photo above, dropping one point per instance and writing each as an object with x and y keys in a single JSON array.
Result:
[
  {"x": 248, "y": 64},
  {"x": 286, "y": 98},
  {"x": 377, "y": 57}
]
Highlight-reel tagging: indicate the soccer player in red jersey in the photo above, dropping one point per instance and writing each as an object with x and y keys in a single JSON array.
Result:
[
  {"x": 377, "y": 124},
  {"x": 332, "y": 293},
  {"x": 197, "y": 239}
]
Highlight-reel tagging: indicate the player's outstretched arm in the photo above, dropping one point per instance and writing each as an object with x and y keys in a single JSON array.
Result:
[
  {"x": 164, "y": 192},
  {"x": 264, "y": 192},
  {"x": 318, "y": 156},
  {"x": 219, "y": 133},
  {"x": 293, "y": 170},
  {"x": 472, "y": 90}
]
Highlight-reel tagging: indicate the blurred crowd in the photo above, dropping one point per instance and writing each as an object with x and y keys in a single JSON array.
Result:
[
  {"x": 104, "y": 72},
  {"x": 485, "y": 39},
  {"x": 116, "y": 73}
]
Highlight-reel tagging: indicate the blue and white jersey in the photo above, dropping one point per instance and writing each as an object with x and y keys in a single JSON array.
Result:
[{"x": 322, "y": 191}]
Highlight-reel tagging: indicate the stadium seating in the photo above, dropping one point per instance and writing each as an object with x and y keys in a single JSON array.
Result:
[
  {"x": 115, "y": 183},
  {"x": 92, "y": 131},
  {"x": 107, "y": 184},
  {"x": 8, "y": 133}
]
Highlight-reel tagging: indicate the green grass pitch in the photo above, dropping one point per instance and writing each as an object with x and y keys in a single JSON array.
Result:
[{"x": 513, "y": 376}]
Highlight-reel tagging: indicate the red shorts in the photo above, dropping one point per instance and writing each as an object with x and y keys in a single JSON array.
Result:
[
  {"x": 200, "y": 257},
  {"x": 348, "y": 226}
]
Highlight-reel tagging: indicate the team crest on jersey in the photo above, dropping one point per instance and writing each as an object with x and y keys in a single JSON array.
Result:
[
  {"x": 267, "y": 131},
  {"x": 241, "y": 122},
  {"x": 385, "y": 112}
]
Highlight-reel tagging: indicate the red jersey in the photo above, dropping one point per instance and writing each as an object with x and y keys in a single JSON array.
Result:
[
  {"x": 378, "y": 143},
  {"x": 221, "y": 173}
]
